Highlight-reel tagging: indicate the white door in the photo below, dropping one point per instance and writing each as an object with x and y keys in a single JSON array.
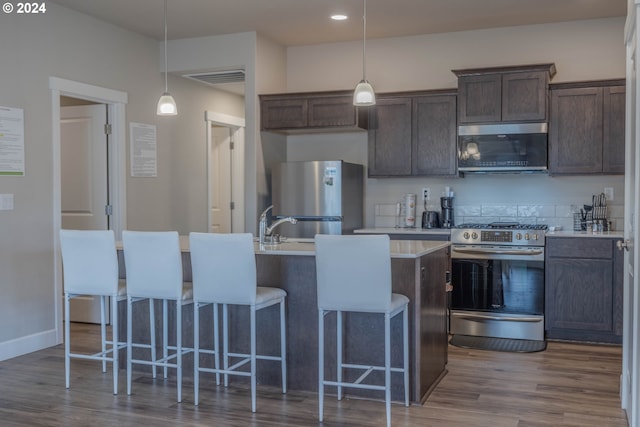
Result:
[
  {"x": 84, "y": 177},
  {"x": 220, "y": 179},
  {"x": 630, "y": 393}
]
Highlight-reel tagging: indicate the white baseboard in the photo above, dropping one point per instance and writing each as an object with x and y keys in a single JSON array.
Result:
[{"x": 27, "y": 344}]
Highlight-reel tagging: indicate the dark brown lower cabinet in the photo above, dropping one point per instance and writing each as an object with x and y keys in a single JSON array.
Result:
[{"x": 583, "y": 289}]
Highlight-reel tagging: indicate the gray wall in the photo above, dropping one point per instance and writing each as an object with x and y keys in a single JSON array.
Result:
[{"x": 73, "y": 46}]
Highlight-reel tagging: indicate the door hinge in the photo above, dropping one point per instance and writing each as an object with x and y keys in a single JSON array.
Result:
[
  {"x": 232, "y": 205},
  {"x": 108, "y": 210},
  {"x": 232, "y": 145},
  {"x": 107, "y": 129}
]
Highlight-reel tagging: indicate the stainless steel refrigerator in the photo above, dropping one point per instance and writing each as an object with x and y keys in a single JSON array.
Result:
[{"x": 326, "y": 197}]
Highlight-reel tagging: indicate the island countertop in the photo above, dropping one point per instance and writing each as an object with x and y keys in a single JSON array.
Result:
[{"x": 306, "y": 247}]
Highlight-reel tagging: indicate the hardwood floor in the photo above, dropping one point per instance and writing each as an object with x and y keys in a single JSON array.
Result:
[{"x": 566, "y": 385}]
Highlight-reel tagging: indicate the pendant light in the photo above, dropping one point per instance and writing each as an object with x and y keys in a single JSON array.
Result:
[
  {"x": 166, "y": 104},
  {"x": 364, "y": 94}
]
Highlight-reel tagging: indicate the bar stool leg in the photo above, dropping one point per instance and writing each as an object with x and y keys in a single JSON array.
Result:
[
  {"x": 283, "y": 347},
  {"x": 165, "y": 336},
  {"x": 387, "y": 366},
  {"x": 103, "y": 332},
  {"x": 152, "y": 331},
  {"x": 216, "y": 342},
  {"x": 320, "y": 363},
  {"x": 339, "y": 344},
  {"x": 115, "y": 342},
  {"x": 405, "y": 321},
  {"x": 196, "y": 352},
  {"x": 67, "y": 341},
  {"x": 225, "y": 343},
  {"x": 178, "y": 347},
  {"x": 253, "y": 357},
  {"x": 129, "y": 338}
]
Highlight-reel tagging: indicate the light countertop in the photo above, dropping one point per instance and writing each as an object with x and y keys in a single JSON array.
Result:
[
  {"x": 571, "y": 233},
  {"x": 392, "y": 230},
  {"x": 306, "y": 247},
  {"x": 399, "y": 248}
]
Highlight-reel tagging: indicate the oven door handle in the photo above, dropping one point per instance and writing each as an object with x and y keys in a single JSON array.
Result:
[
  {"x": 499, "y": 251},
  {"x": 500, "y": 318}
]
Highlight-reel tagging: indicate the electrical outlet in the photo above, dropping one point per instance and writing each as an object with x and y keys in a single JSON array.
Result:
[
  {"x": 426, "y": 193},
  {"x": 608, "y": 193}
]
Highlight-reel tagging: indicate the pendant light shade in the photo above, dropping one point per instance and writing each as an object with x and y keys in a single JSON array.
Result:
[
  {"x": 364, "y": 95},
  {"x": 166, "y": 103}
]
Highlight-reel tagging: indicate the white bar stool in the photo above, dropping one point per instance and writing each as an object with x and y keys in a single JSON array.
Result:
[
  {"x": 224, "y": 272},
  {"x": 354, "y": 275},
  {"x": 90, "y": 267},
  {"x": 153, "y": 264}
]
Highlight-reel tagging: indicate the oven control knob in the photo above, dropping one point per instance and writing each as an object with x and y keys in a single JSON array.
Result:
[
  {"x": 535, "y": 236},
  {"x": 466, "y": 235},
  {"x": 519, "y": 236},
  {"x": 526, "y": 236},
  {"x": 474, "y": 235}
]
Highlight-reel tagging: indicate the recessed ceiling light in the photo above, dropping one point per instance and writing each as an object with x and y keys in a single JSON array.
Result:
[{"x": 339, "y": 17}]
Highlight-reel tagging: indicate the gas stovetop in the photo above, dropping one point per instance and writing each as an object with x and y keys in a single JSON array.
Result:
[
  {"x": 505, "y": 226},
  {"x": 499, "y": 233}
]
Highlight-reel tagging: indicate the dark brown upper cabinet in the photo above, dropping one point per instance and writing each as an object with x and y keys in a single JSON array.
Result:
[
  {"x": 586, "y": 128},
  {"x": 311, "y": 112},
  {"x": 413, "y": 134},
  {"x": 504, "y": 94}
]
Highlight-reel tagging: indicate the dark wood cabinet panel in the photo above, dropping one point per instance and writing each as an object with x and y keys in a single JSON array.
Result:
[
  {"x": 613, "y": 130},
  {"x": 582, "y": 295},
  {"x": 480, "y": 98},
  {"x": 311, "y": 112},
  {"x": 329, "y": 111},
  {"x": 583, "y": 290},
  {"x": 390, "y": 137},
  {"x": 586, "y": 128},
  {"x": 413, "y": 134},
  {"x": 283, "y": 113},
  {"x": 524, "y": 96},
  {"x": 575, "y": 131},
  {"x": 434, "y": 135},
  {"x": 504, "y": 94}
]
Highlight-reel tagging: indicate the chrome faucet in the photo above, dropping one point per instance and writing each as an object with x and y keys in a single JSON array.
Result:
[{"x": 266, "y": 230}]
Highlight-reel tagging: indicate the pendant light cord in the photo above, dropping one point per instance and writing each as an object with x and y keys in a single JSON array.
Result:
[
  {"x": 166, "y": 86},
  {"x": 364, "y": 40}
]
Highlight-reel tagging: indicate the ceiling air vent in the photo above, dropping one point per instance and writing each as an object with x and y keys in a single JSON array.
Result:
[{"x": 218, "y": 77}]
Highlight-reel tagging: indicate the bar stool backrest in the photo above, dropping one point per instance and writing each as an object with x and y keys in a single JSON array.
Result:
[
  {"x": 90, "y": 262},
  {"x": 153, "y": 263},
  {"x": 353, "y": 272},
  {"x": 223, "y": 268}
]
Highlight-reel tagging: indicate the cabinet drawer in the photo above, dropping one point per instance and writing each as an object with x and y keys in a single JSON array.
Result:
[{"x": 579, "y": 247}]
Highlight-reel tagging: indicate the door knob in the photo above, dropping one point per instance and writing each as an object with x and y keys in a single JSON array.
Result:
[{"x": 623, "y": 244}]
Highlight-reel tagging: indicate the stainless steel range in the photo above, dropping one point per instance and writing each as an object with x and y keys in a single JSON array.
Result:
[{"x": 498, "y": 280}]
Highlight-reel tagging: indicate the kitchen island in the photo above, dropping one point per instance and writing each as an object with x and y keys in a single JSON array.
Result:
[{"x": 419, "y": 270}]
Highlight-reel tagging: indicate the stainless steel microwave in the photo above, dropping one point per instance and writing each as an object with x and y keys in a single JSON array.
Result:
[{"x": 520, "y": 147}]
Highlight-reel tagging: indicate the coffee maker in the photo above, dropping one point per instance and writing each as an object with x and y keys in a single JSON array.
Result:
[{"x": 446, "y": 205}]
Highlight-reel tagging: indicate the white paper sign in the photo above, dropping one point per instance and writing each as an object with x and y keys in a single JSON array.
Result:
[
  {"x": 144, "y": 153},
  {"x": 11, "y": 141}
]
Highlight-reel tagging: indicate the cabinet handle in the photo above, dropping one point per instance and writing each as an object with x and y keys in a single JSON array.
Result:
[{"x": 623, "y": 245}]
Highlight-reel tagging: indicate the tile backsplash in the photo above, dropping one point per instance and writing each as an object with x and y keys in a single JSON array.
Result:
[{"x": 526, "y": 213}]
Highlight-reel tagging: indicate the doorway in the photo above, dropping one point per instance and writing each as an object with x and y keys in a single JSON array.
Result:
[
  {"x": 114, "y": 103},
  {"x": 225, "y": 173},
  {"x": 84, "y": 181}
]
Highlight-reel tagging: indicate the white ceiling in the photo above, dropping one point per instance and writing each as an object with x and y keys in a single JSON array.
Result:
[{"x": 303, "y": 22}]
